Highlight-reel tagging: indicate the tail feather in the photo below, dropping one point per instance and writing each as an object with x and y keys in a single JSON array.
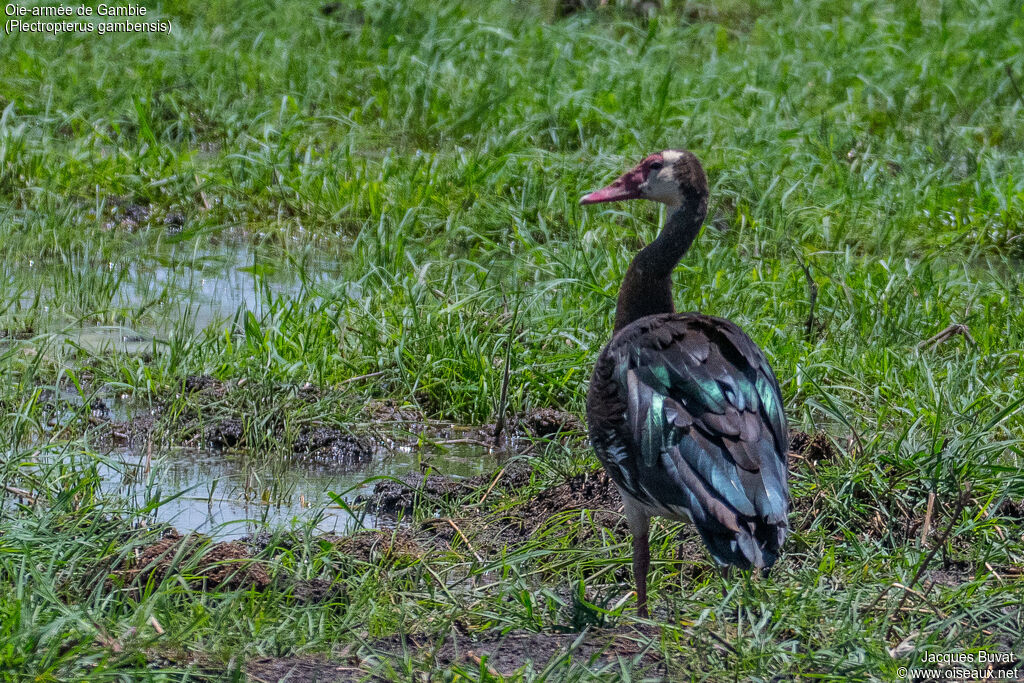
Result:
[{"x": 745, "y": 550}]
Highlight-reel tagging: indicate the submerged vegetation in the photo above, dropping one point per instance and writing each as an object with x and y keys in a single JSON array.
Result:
[{"x": 290, "y": 229}]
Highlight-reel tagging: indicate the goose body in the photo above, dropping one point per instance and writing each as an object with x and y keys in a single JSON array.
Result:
[{"x": 683, "y": 409}]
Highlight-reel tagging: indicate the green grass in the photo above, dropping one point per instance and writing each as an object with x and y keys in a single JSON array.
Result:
[{"x": 400, "y": 182}]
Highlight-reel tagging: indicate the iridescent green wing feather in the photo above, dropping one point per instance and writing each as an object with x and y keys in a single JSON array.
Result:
[{"x": 702, "y": 432}]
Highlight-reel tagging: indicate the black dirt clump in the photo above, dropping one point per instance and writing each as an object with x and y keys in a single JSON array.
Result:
[
  {"x": 954, "y": 573},
  {"x": 1011, "y": 509},
  {"x": 227, "y": 433},
  {"x": 507, "y": 652},
  {"x": 310, "y": 393},
  {"x": 257, "y": 542},
  {"x": 546, "y": 422},
  {"x": 312, "y": 591},
  {"x": 303, "y": 669},
  {"x": 174, "y": 222},
  {"x": 391, "y": 496},
  {"x": 130, "y": 216},
  {"x": 138, "y": 430},
  {"x": 230, "y": 565},
  {"x": 219, "y": 565},
  {"x": 331, "y": 446},
  {"x": 381, "y": 547},
  {"x": 812, "y": 448},
  {"x": 195, "y": 383},
  {"x": 514, "y": 475},
  {"x": 204, "y": 384},
  {"x": 592, "y": 490}
]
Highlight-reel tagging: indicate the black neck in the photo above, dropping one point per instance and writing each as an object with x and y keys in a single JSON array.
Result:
[{"x": 647, "y": 287}]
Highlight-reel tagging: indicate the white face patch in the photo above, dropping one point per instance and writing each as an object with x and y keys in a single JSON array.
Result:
[
  {"x": 671, "y": 156},
  {"x": 661, "y": 185}
]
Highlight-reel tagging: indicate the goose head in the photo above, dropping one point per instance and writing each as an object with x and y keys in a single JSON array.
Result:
[{"x": 670, "y": 177}]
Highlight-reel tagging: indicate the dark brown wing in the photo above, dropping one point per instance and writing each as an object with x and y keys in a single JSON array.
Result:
[{"x": 686, "y": 416}]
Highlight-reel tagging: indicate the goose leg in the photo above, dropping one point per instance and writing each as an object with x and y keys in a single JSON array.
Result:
[
  {"x": 641, "y": 564},
  {"x": 639, "y": 527}
]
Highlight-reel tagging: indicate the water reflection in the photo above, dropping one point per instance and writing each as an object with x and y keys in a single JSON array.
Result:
[
  {"x": 226, "y": 497},
  {"x": 123, "y": 306}
]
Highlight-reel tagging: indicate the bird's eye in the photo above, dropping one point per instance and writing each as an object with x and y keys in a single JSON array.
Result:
[{"x": 656, "y": 166}]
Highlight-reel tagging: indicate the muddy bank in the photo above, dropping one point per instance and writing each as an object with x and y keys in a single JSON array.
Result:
[
  {"x": 550, "y": 422},
  {"x": 479, "y": 516},
  {"x": 329, "y": 445},
  {"x": 487, "y": 524},
  {"x": 592, "y": 493},
  {"x": 241, "y": 415},
  {"x": 380, "y": 419},
  {"x": 497, "y": 653},
  {"x": 405, "y": 494},
  {"x": 593, "y": 490},
  {"x": 811, "y": 448},
  {"x": 208, "y": 425},
  {"x": 309, "y": 669},
  {"x": 207, "y": 566},
  {"x": 435, "y": 491},
  {"x": 386, "y": 548},
  {"x": 590, "y": 490},
  {"x": 248, "y": 563},
  {"x": 502, "y": 654},
  {"x": 489, "y": 513}
]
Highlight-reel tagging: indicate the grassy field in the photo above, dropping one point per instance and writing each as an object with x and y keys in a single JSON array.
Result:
[{"x": 396, "y": 185}]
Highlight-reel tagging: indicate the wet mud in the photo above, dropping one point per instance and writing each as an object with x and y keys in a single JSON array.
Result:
[
  {"x": 811, "y": 448},
  {"x": 328, "y": 445},
  {"x": 592, "y": 490},
  {"x": 487, "y": 526},
  {"x": 394, "y": 496},
  {"x": 503, "y": 654},
  {"x": 488, "y": 511},
  {"x": 210, "y": 421},
  {"x": 205, "y": 565},
  {"x": 1012, "y": 510},
  {"x": 308, "y": 669},
  {"x": 409, "y": 492},
  {"x": 492, "y": 520},
  {"x": 495, "y": 653},
  {"x": 385, "y": 548},
  {"x": 205, "y": 385},
  {"x": 550, "y": 422},
  {"x": 128, "y": 215},
  {"x": 203, "y": 427},
  {"x": 226, "y": 434}
]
